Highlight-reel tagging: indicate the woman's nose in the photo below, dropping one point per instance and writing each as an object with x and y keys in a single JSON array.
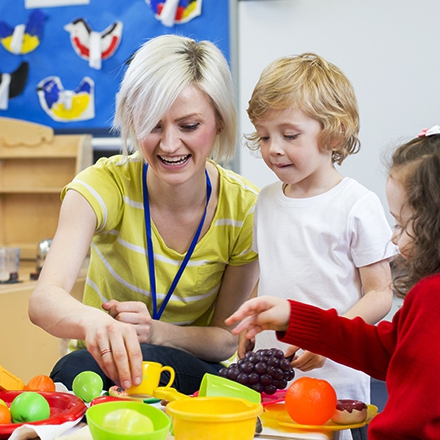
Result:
[{"x": 170, "y": 140}]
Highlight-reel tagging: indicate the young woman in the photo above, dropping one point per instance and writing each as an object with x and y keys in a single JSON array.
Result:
[{"x": 168, "y": 228}]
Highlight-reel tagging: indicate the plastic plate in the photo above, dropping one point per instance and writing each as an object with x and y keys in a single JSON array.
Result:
[
  {"x": 278, "y": 413},
  {"x": 64, "y": 407}
]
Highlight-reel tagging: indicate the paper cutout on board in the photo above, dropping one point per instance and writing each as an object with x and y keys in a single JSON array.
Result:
[
  {"x": 13, "y": 84},
  {"x": 94, "y": 46},
  {"x": 67, "y": 105},
  {"x": 23, "y": 38},
  {"x": 50, "y": 3},
  {"x": 170, "y": 12}
]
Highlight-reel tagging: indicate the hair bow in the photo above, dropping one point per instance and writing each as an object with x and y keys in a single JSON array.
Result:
[{"x": 431, "y": 131}]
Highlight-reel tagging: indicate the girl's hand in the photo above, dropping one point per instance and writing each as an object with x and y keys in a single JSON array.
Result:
[
  {"x": 258, "y": 314},
  {"x": 134, "y": 313},
  {"x": 115, "y": 347}
]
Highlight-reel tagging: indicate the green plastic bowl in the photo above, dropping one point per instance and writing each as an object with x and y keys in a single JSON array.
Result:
[{"x": 96, "y": 413}]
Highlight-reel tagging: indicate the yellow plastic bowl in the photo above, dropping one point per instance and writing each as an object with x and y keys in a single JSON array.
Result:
[
  {"x": 95, "y": 416},
  {"x": 214, "y": 418}
]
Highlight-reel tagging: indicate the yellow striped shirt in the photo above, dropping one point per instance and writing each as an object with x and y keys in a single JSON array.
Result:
[{"x": 119, "y": 264}]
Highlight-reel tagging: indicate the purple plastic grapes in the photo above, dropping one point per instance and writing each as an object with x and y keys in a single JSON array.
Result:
[{"x": 265, "y": 370}]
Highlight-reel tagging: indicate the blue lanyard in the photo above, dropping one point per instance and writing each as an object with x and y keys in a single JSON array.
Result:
[{"x": 157, "y": 314}]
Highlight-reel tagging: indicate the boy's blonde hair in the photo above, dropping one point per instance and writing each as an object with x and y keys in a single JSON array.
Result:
[
  {"x": 160, "y": 69},
  {"x": 318, "y": 88}
]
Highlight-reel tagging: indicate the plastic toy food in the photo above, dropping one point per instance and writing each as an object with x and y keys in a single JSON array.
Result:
[
  {"x": 40, "y": 383},
  {"x": 310, "y": 401},
  {"x": 265, "y": 370},
  {"x": 127, "y": 421},
  {"x": 116, "y": 391},
  {"x": 5, "y": 415},
  {"x": 350, "y": 412},
  {"x": 29, "y": 406},
  {"x": 8, "y": 381},
  {"x": 87, "y": 385}
]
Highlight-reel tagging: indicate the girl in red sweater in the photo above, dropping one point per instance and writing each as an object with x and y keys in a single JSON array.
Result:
[{"x": 406, "y": 351}]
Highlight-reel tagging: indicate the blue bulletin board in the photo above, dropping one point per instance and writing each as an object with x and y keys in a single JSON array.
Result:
[{"x": 53, "y": 62}]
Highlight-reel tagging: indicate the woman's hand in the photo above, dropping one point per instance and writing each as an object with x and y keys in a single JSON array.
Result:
[
  {"x": 134, "y": 313},
  {"x": 115, "y": 347}
]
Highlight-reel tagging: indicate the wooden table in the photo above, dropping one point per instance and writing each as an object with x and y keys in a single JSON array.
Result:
[{"x": 25, "y": 349}]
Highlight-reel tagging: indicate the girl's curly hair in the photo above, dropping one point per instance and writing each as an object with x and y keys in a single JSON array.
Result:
[{"x": 416, "y": 166}]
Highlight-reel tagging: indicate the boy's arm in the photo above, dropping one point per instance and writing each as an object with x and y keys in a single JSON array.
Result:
[{"x": 378, "y": 296}]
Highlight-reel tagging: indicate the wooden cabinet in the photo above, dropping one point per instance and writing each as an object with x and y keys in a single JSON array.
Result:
[
  {"x": 25, "y": 349},
  {"x": 35, "y": 165}
]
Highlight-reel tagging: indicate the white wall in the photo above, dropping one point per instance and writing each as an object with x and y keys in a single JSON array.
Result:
[{"x": 389, "y": 49}]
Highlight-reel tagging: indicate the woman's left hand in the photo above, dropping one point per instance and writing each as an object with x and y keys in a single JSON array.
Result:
[{"x": 131, "y": 312}]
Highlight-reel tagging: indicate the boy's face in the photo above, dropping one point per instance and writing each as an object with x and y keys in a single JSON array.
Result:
[
  {"x": 403, "y": 232},
  {"x": 289, "y": 146}
]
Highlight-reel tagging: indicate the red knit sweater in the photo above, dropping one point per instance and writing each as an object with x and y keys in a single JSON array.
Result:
[{"x": 404, "y": 352}]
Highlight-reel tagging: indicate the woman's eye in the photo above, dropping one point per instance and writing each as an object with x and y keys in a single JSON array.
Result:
[
  {"x": 190, "y": 127},
  {"x": 264, "y": 138},
  {"x": 291, "y": 136}
]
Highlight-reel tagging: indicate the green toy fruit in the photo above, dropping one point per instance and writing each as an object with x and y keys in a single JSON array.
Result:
[
  {"x": 127, "y": 421},
  {"x": 87, "y": 385},
  {"x": 29, "y": 406}
]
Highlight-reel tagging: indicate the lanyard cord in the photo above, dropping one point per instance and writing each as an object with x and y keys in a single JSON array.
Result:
[{"x": 158, "y": 313}]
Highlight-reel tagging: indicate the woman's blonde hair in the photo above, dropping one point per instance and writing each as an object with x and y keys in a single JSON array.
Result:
[
  {"x": 159, "y": 70},
  {"x": 318, "y": 88}
]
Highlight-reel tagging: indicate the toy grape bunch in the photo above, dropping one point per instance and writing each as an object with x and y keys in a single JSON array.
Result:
[{"x": 266, "y": 370}]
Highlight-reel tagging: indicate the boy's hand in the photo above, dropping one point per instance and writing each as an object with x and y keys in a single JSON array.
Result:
[
  {"x": 244, "y": 345},
  {"x": 258, "y": 314},
  {"x": 308, "y": 361}
]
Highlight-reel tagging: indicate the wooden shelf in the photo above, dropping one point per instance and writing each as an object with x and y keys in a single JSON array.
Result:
[
  {"x": 31, "y": 190},
  {"x": 35, "y": 165}
]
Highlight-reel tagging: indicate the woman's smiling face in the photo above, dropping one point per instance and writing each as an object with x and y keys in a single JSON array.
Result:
[{"x": 183, "y": 139}]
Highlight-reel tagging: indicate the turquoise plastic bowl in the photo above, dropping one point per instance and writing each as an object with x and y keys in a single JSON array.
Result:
[{"x": 96, "y": 413}]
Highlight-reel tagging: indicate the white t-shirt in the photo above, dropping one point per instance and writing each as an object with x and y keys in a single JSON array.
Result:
[{"x": 310, "y": 250}]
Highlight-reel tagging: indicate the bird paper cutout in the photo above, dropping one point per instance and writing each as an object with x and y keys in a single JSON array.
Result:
[
  {"x": 94, "y": 46},
  {"x": 67, "y": 105},
  {"x": 12, "y": 84},
  {"x": 23, "y": 38},
  {"x": 170, "y": 12}
]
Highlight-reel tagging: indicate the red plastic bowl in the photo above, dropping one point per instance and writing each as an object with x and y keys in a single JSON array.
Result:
[{"x": 64, "y": 407}]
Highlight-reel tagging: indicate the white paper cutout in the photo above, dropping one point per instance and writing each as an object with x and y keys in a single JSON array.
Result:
[
  {"x": 94, "y": 46},
  {"x": 67, "y": 105},
  {"x": 29, "y": 4},
  {"x": 171, "y": 12}
]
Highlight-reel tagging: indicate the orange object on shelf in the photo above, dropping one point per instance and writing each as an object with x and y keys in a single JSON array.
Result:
[{"x": 9, "y": 382}]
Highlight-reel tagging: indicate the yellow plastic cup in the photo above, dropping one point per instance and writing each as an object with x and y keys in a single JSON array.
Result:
[
  {"x": 151, "y": 373},
  {"x": 214, "y": 418}
]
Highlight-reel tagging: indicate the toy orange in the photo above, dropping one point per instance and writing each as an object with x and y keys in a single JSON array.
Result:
[
  {"x": 310, "y": 401},
  {"x": 5, "y": 415},
  {"x": 40, "y": 383}
]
